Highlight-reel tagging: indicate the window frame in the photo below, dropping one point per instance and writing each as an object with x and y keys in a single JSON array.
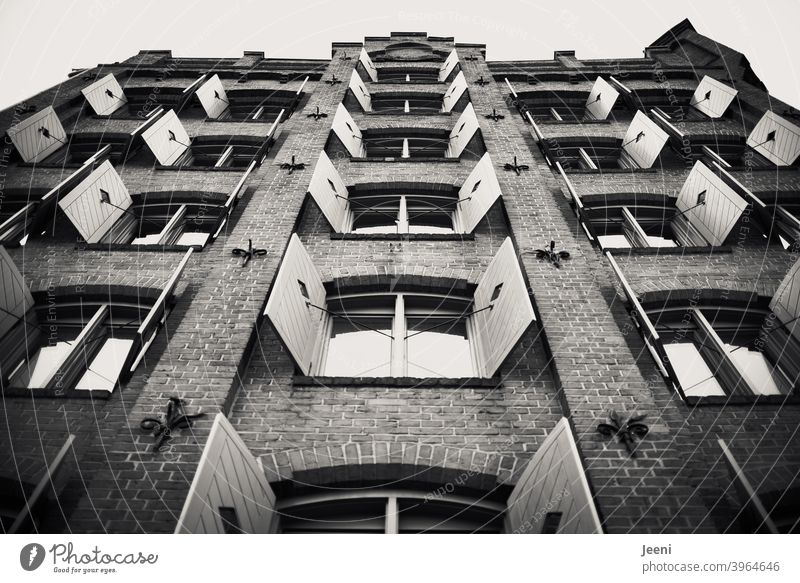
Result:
[{"x": 404, "y": 221}]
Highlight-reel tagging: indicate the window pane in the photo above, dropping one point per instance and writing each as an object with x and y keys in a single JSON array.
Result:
[
  {"x": 660, "y": 241},
  {"x": 377, "y": 217},
  {"x": 694, "y": 374},
  {"x": 428, "y": 216},
  {"x": 613, "y": 241},
  {"x": 420, "y": 516},
  {"x": 441, "y": 352},
  {"x": 105, "y": 367},
  {"x": 760, "y": 374},
  {"x": 355, "y": 351},
  {"x": 36, "y": 372}
]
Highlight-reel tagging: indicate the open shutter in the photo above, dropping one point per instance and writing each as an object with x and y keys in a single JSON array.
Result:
[
  {"x": 167, "y": 138},
  {"x": 554, "y": 483},
  {"x": 462, "y": 132},
  {"x": 105, "y": 95},
  {"x": 448, "y": 66},
  {"x": 722, "y": 209},
  {"x": 601, "y": 99},
  {"x": 297, "y": 285},
  {"x": 38, "y": 136},
  {"x": 360, "y": 91},
  {"x": 454, "y": 92},
  {"x": 212, "y": 97},
  {"x": 364, "y": 59},
  {"x": 15, "y": 297},
  {"x": 786, "y": 301},
  {"x": 347, "y": 131},
  {"x": 228, "y": 477},
  {"x": 500, "y": 327},
  {"x": 478, "y": 194},
  {"x": 776, "y": 139},
  {"x": 329, "y": 191},
  {"x": 84, "y": 205},
  {"x": 712, "y": 97},
  {"x": 644, "y": 140}
]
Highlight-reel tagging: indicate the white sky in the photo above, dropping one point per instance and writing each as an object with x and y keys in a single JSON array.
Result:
[{"x": 43, "y": 39}]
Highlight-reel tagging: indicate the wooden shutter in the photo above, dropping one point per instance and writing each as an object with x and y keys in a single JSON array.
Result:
[
  {"x": 15, "y": 297},
  {"x": 347, "y": 131},
  {"x": 499, "y": 329},
  {"x": 462, "y": 132},
  {"x": 601, "y": 99},
  {"x": 651, "y": 140},
  {"x": 783, "y": 147},
  {"x": 84, "y": 208},
  {"x": 28, "y": 136},
  {"x": 105, "y": 95},
  {"x": 554, "y": 481},
  {"x": 454, "y": 92},
  {"x": 364, "y": 59},
  {"x": 722, "y": 209},
  {"x": 329, "y": 192},
  {"x": 297, "y": 285},
  {"x": 212, "y": 97},
  {"x": 228, "y": 476},
  {"x": 712, "y": 97},
  {"x": 157, "y": 137},
  {"x": 786, "y": 301},
  {"x": 360, "y": 91},
  {"x": 478, "y": 194},
  {"x": 448, "y": 66}
]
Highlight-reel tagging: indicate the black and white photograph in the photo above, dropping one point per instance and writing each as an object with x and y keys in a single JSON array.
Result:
[{"x": 327, "y": 268}]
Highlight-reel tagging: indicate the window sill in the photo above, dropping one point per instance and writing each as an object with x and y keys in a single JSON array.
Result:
[
  {"x": 409, "y": 114},
  {"x": 138, "y": 248},
  {"x": 14, "y": 392},
  {"x": 237, "y": 169},
  {"x": 706, "y": 250},
  {"x": 424, "y": 160},
  {"x": 612, "y": 170},
  {"x": 468, "y": 382},
  {"x": 744, "y": 400},
  {"x": 573, "y": 122},
  {"x": 400, "y": 237}
]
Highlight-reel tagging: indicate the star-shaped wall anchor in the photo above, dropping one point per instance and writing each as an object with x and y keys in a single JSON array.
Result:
[
  {"x": 333, "y": 80},
  {"x": 481, "y": 81},
  {"x": 470, "y": 58},
  {"x": 248, "y": 253},
  {"x": 292, "y": 166},
  {"x": 551, "y": 255},
  {"x": 626, "y": 431},
  {"x": 517, "y": 168},
  {"x": 494, "y": 116},
  {"x": 317, "y": 115},
  {"x": 346, "y": 57},
  {"x": 175, "y": 418}
]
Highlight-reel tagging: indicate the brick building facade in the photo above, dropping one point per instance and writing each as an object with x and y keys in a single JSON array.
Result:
[{"x": 408, "y": 195}]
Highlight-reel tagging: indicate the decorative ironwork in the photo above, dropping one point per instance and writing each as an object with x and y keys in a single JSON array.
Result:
[
  {"x": 292, "y": 166},
  {"x": 248, "y": 253},
  {"x": 346, "y": 57},
  {"x": 626, "y": 431},
  {"x": 317, "y": 115},
  {"x": 175, "y": 418},
  {"x": 518, "y": 168},
  {"x": 470, "y": 58},
  {"x": 333, "y": 80},
  {"x": 494, "y": 116},
  {"x": 552, "y": 255},
  {"x": 481, "y": 81},
  {"x": 24, "y": 108}
]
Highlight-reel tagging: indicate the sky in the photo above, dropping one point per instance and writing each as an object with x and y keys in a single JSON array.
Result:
[{"x": 42, "y": 40}]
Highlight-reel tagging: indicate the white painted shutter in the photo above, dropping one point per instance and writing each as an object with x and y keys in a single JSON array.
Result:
[
  {"x": 212, "y": 97},
  {"x": 364, "y": 59},
  {"x": 786, "y": 301},
  {"x": 228, "y": 476},
  {"x": 601, "y": 99},
  {"x": 347, "y": 131},
  {"x": 478, "y": 194},
  {"x": 462, "y": 132},
  {"x": 447, "y": 67},
  {"x": 84, "y": 208},
  {"x": 712, "y": 97},
  {"x": 784, "y": 147},
  {"x": 644, "y": 151},
  {"x": 29, "y": 139},
  {"x": 723, "y": 207},
  {"x": 157, "y": 137},
  {"x": 15, "y": 297},
  {"x": 326, "y": 187},
  {"x": 554, "y": 481},
  {"x": 500, "y": 328},
  {"x": 105, "y": 95},
  {"x": 454, "y": 92},
  {"x": 297, "y": 323},
  {"x": 360, "y": 91}
]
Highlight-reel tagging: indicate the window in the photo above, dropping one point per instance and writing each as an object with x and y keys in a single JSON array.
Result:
[
  {"x": 261, "y": 105},
  {"x": 389, "y": 511},
  {"x": 221, "y": 152},
  {"x": 393, "y": 213},
  {"x": 80, "y": 147},
  {"x": 406, "y": 143},
  {"x": 393, "y": 74},
  {"x": 398, "y": 335},
  {"x": 635, "y": 225},
  {"x": 406, "y": 102}
]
